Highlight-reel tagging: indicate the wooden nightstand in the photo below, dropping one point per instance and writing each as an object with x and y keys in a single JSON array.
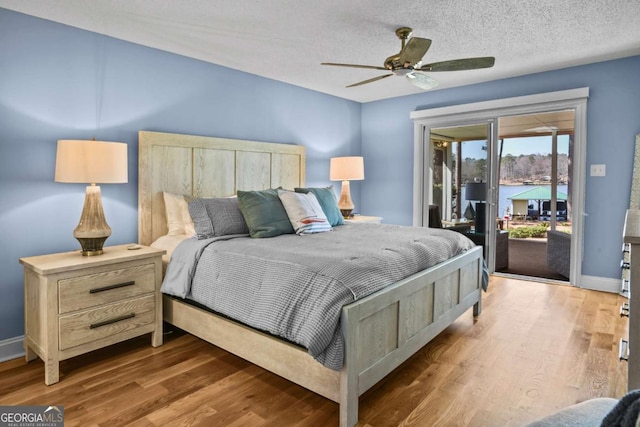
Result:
[
  {"x": 360, "y": 219},
  {"x": 76, "y": 304}
]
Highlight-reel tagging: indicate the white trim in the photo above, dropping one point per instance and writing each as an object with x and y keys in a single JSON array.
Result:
[
  {"x": 603, "y": 284},
  {"x": 591, "y": 283},
  {"x": 504, "y": 104},
  {"x": 11, "y": 348},
  {"x": 578, "y": 192},
  {"x": 418, "y": 174},
  {"x": 480, "y": 112}
]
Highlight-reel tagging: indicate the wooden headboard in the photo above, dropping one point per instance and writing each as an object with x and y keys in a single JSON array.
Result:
[{"x": 199, "y": 166}]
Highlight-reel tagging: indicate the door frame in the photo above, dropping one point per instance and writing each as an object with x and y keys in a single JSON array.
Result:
[{"x": 491, "y": 111}]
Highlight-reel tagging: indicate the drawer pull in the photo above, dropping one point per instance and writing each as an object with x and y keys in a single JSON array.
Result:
[
  {"x": 110, "y": 321},
  {"x": 623, "y": 350},
  {"x": 110, "y": 287},
  {"x": 624, "y": 309},
  {"x": 625, "y": 287},
  {"x": 625, "y": 265}
]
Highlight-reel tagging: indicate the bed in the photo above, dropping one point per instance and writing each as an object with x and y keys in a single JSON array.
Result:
[{"x": 379, "y": 331}]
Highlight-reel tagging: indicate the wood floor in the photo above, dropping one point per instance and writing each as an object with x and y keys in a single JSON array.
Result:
[{"x": 534, "y": 349}]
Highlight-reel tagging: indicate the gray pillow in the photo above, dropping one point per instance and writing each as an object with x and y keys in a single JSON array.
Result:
[
  {"x": 264, "y": 213},
  {"x": 214, "y": 217}
]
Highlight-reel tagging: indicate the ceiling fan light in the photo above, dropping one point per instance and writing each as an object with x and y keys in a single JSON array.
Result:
[
  {"x": 422, "y": 81},
  {"x": 402, "y": 71}
]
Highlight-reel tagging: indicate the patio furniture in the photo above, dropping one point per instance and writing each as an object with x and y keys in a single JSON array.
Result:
[
  {"x": 559, "y": 252},
  {"x": 502, "y": 237},
  {"x": 502, "y": 246}
]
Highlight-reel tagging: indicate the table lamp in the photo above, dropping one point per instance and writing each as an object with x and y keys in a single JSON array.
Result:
[
  {"x": 477, "y": 191},
  {"x": 91, "y": 162},
  {"x": 346, "y": 169}
]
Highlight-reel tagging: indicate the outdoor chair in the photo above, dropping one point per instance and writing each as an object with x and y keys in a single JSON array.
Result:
[{"x": 559, "y": 252}]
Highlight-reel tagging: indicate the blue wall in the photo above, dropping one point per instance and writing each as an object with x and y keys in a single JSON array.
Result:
[
  {"x": 58, "y": 82},
  {"x": 613, "y": 120}
]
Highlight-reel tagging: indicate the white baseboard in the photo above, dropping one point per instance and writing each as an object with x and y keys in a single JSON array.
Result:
[
  {"x": 11, "y": 348},
  {"x": 602, "y": 284}
]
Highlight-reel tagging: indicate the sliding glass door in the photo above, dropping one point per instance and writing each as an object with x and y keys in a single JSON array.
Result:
[
  {"x": 460, "y": 182},
  {"x": 440, "y": 171}
]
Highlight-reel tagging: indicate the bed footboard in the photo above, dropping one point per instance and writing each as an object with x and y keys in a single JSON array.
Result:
[
  {"x": 381, "y": 331},
  {"x": 386, "y": 328}
]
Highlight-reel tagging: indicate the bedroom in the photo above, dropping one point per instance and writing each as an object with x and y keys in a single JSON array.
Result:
[{"x": 50, "y": 92}]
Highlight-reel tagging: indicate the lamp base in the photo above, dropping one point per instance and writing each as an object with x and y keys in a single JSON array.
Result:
[
  {"x": 92, "y": 247},
  {"x": 93, "y": 229},
  {"x": 345, "y": 204},
  {"x": 346, "y": 213},
  {"x": 480, "y": 218}
]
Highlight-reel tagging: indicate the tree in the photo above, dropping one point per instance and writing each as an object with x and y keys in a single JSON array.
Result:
[
  {"x": 532, "y": 167},
  {"x": 506, "y": 168}
]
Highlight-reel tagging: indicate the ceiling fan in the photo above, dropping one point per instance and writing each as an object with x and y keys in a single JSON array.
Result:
[{"x": 408, "y": 62}]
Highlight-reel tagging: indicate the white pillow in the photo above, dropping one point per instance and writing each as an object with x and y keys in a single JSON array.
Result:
[
  {"x": 178, "y": 219},
  {"x": 304, "y": 212},
  {"x": 168, "y": 243}
]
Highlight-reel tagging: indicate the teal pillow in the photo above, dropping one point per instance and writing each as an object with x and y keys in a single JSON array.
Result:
[
  {"x": 327, "y": 199},
  {"x": 264, "y": 214}
]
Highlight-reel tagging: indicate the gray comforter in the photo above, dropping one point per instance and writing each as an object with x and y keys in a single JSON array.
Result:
[{"x": 294, "y": 286}]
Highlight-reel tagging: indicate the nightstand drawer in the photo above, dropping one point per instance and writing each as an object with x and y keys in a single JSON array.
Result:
[
  {"x": 81, "y": 292},
  {"x": 112, "y": 319}
]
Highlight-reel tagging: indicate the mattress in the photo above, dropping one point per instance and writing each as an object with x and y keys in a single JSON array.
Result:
[{"x": 294, "y": 286}]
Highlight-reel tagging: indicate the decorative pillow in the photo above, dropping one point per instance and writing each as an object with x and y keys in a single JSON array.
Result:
[
  {"x": 178, "y": 219},
  {"x": 327, "y": 199},
  {"x": 215, "y": 217},
  {"x": 304, "y": 211},
  {"x": 264, "y": 214}
]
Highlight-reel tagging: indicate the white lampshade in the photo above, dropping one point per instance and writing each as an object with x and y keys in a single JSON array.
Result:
[
  {"x": 91, "y": 162},
  {"x": 346, "y": 168}
]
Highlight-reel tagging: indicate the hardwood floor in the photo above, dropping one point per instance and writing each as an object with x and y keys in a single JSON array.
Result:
[{"x": 534, "y": 349}]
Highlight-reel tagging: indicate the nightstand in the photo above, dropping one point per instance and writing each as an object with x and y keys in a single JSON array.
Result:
[
  {"x": 361, "y": 219},
  {"x": 75, "y": 304}
]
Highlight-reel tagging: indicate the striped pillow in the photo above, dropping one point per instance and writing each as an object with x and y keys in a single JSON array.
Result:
[
  {"x": 304, "y": 212},
  {"x": 328, "y": 202}
]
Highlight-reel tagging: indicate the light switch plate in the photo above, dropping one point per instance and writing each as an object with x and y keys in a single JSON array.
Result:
[{"x": 598, "y": 170}]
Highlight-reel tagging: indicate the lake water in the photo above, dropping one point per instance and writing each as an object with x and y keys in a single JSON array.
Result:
[{"x": 507, "y": 191}]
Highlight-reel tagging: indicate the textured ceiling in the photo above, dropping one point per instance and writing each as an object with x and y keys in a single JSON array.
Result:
[{"x": 286, "y": 40}]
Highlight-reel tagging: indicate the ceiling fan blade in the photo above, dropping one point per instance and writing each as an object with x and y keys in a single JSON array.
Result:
[
  {"x": 370, "y": 67},
  {"x": 422, "y": 80},
  {"x": 460, "y": 64},
  {"x": 364, "y": 82},
  {"x": 413, "y": 51}
]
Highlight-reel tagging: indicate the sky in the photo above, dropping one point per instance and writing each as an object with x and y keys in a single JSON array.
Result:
[{"x": 517, "y": 146}]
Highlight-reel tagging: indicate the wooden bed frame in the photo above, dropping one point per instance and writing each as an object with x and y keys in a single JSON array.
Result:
[{"x": 381, "y": 331}]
